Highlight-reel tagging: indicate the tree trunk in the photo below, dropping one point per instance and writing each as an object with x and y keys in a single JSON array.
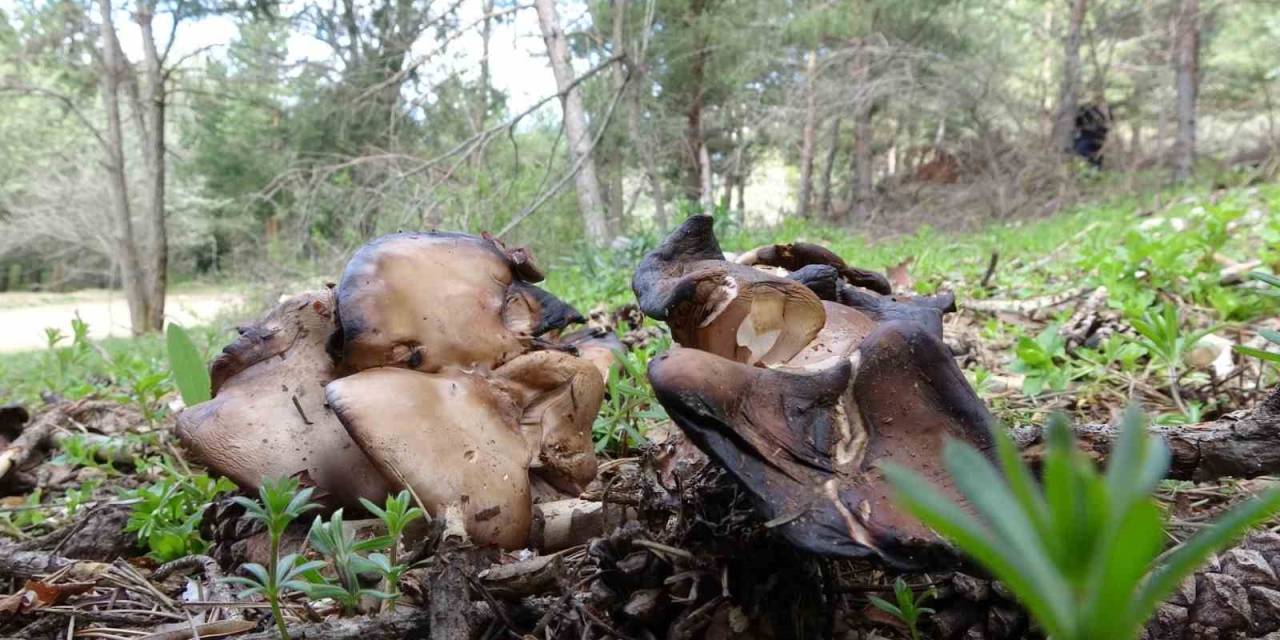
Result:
[
  {"x": 693, "y": 142},
  {"x": 590, "y": 204},
  {"x": 486, "y": 33},
  {"x": 126, "y": 247},
  {"x": 155, "y": 270},
  {"x": 833, "y": 146},
  {"x": 704, "y": 175},
  {"x": 1186, "y": 82},
  {"x": 861, "y": 177},
  {"x": 1068, "y": 94},
  {"x": 808, "y": 135},
  {"x": 617, "y": 160}
]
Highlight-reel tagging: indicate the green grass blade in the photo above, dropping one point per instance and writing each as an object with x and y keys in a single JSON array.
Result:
[
  {"x": 1266, "y": 356},
  {"x": 187, "y": 366},
  {"x": 1185, "y": 558},
  {"x": 1047, "y": 602}
]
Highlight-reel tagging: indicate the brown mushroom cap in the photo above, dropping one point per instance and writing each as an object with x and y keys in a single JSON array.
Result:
[
  {"x": 806, "y": 442},
  {"x": 560, "y": 395},
  {"x": 451, "y": 438},
  {"x": 268, "y": 417},
  {"x": 428, "y": 301},
  {"x": 826, "y": 283},
  {"x": 729, "y": 309},
  {"x": 798, "y": 255}
]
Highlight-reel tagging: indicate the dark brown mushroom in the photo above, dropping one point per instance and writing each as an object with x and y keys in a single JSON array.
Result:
[
  {"x": 730, "y": 309},
  {"x": 429, "y": 301},
  {"x": 805, "y": 442},
  {"x": 797, "y": 255},
  {"x": 268, "y": 416},
  {"x": 825, "y": 281}
]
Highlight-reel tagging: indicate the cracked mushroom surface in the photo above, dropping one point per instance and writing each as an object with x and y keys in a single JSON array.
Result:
[
  {"x": 468, "y": 441},
  {"x": 268, "y": 416},
  {"x": 429, "y": 301},
  {"x": 804, "y": 435},
  {"x": 734, "y": 310}
]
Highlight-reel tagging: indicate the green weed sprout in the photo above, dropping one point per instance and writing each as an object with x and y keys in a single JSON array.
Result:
[
  {"x": 908, "y": 609},
  {"x": 1163, "y": 338},
  {"x": 339, "y": 545},
  {"x": 281, "y": 503},
  {"x": 1084, "y": 554},
  {"x": 396, "y": 516}
]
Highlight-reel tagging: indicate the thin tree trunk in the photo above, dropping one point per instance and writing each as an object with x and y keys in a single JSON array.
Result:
[
  {"x": 1068, "y": 94},
  {"x": 117, "y": 182},
  {"x": 704, "y": 174},
  {"x": 1046, "y": 74},
  {"x": 1186, "y": 83},
  {"x": 693, "y": 142},
  {"x": 862, "y": 178},
  {"x": 833, "y": 146},
  {"x": 486, "y": 33},
  {"x": 617, "y": 160},
  {"x": 157, "y": 257},
  {"x": 808, "y": 135},
  {"x": 590, "y": 204}
]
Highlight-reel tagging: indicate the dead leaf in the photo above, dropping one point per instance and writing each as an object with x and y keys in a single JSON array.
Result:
[
  {"x": 36, "y": 594},
  {"x": 900, "y": 277}
]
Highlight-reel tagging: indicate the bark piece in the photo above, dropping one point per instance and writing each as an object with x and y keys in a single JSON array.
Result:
[
  {"x": 402, "y": 622},
  {"x": 535, "y": 576},
  {"x": 1242, "y": 444},
  {"x": 1221, "y": 602}
]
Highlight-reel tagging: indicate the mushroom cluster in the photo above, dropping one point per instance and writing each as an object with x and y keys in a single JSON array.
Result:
[
  {"x": 799, "y": 374},
  {"x": 421, "y": 369}
]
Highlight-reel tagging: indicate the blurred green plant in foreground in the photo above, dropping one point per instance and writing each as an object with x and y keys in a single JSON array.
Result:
[{"x": 1084, "y": 551}]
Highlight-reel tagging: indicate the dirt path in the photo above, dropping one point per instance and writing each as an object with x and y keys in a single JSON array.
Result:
[{"x": 24, "y": 316}]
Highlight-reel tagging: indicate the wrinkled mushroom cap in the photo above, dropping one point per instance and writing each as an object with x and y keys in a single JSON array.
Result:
[
  {"x": 451, "y": 438},
  {"x": 806, "y": 441},
  {"x": 559, "y": 396},
  {"x": 729, "y": 309},
  {"x": 268, "y": 417},
  {"x": 429, "y": 301}
]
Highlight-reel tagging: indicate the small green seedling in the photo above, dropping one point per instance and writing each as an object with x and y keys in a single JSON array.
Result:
[
  {"x": 908, "y": 609},
  {"x": 338, "y": 544},
  {"x": 280, "y": 502},
  {"x": 1084, "y": 553},
  {"x": 396, "y": 516}
]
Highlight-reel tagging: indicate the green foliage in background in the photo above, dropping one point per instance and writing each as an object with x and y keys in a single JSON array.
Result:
[{"x": 1085, "y": 552}]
